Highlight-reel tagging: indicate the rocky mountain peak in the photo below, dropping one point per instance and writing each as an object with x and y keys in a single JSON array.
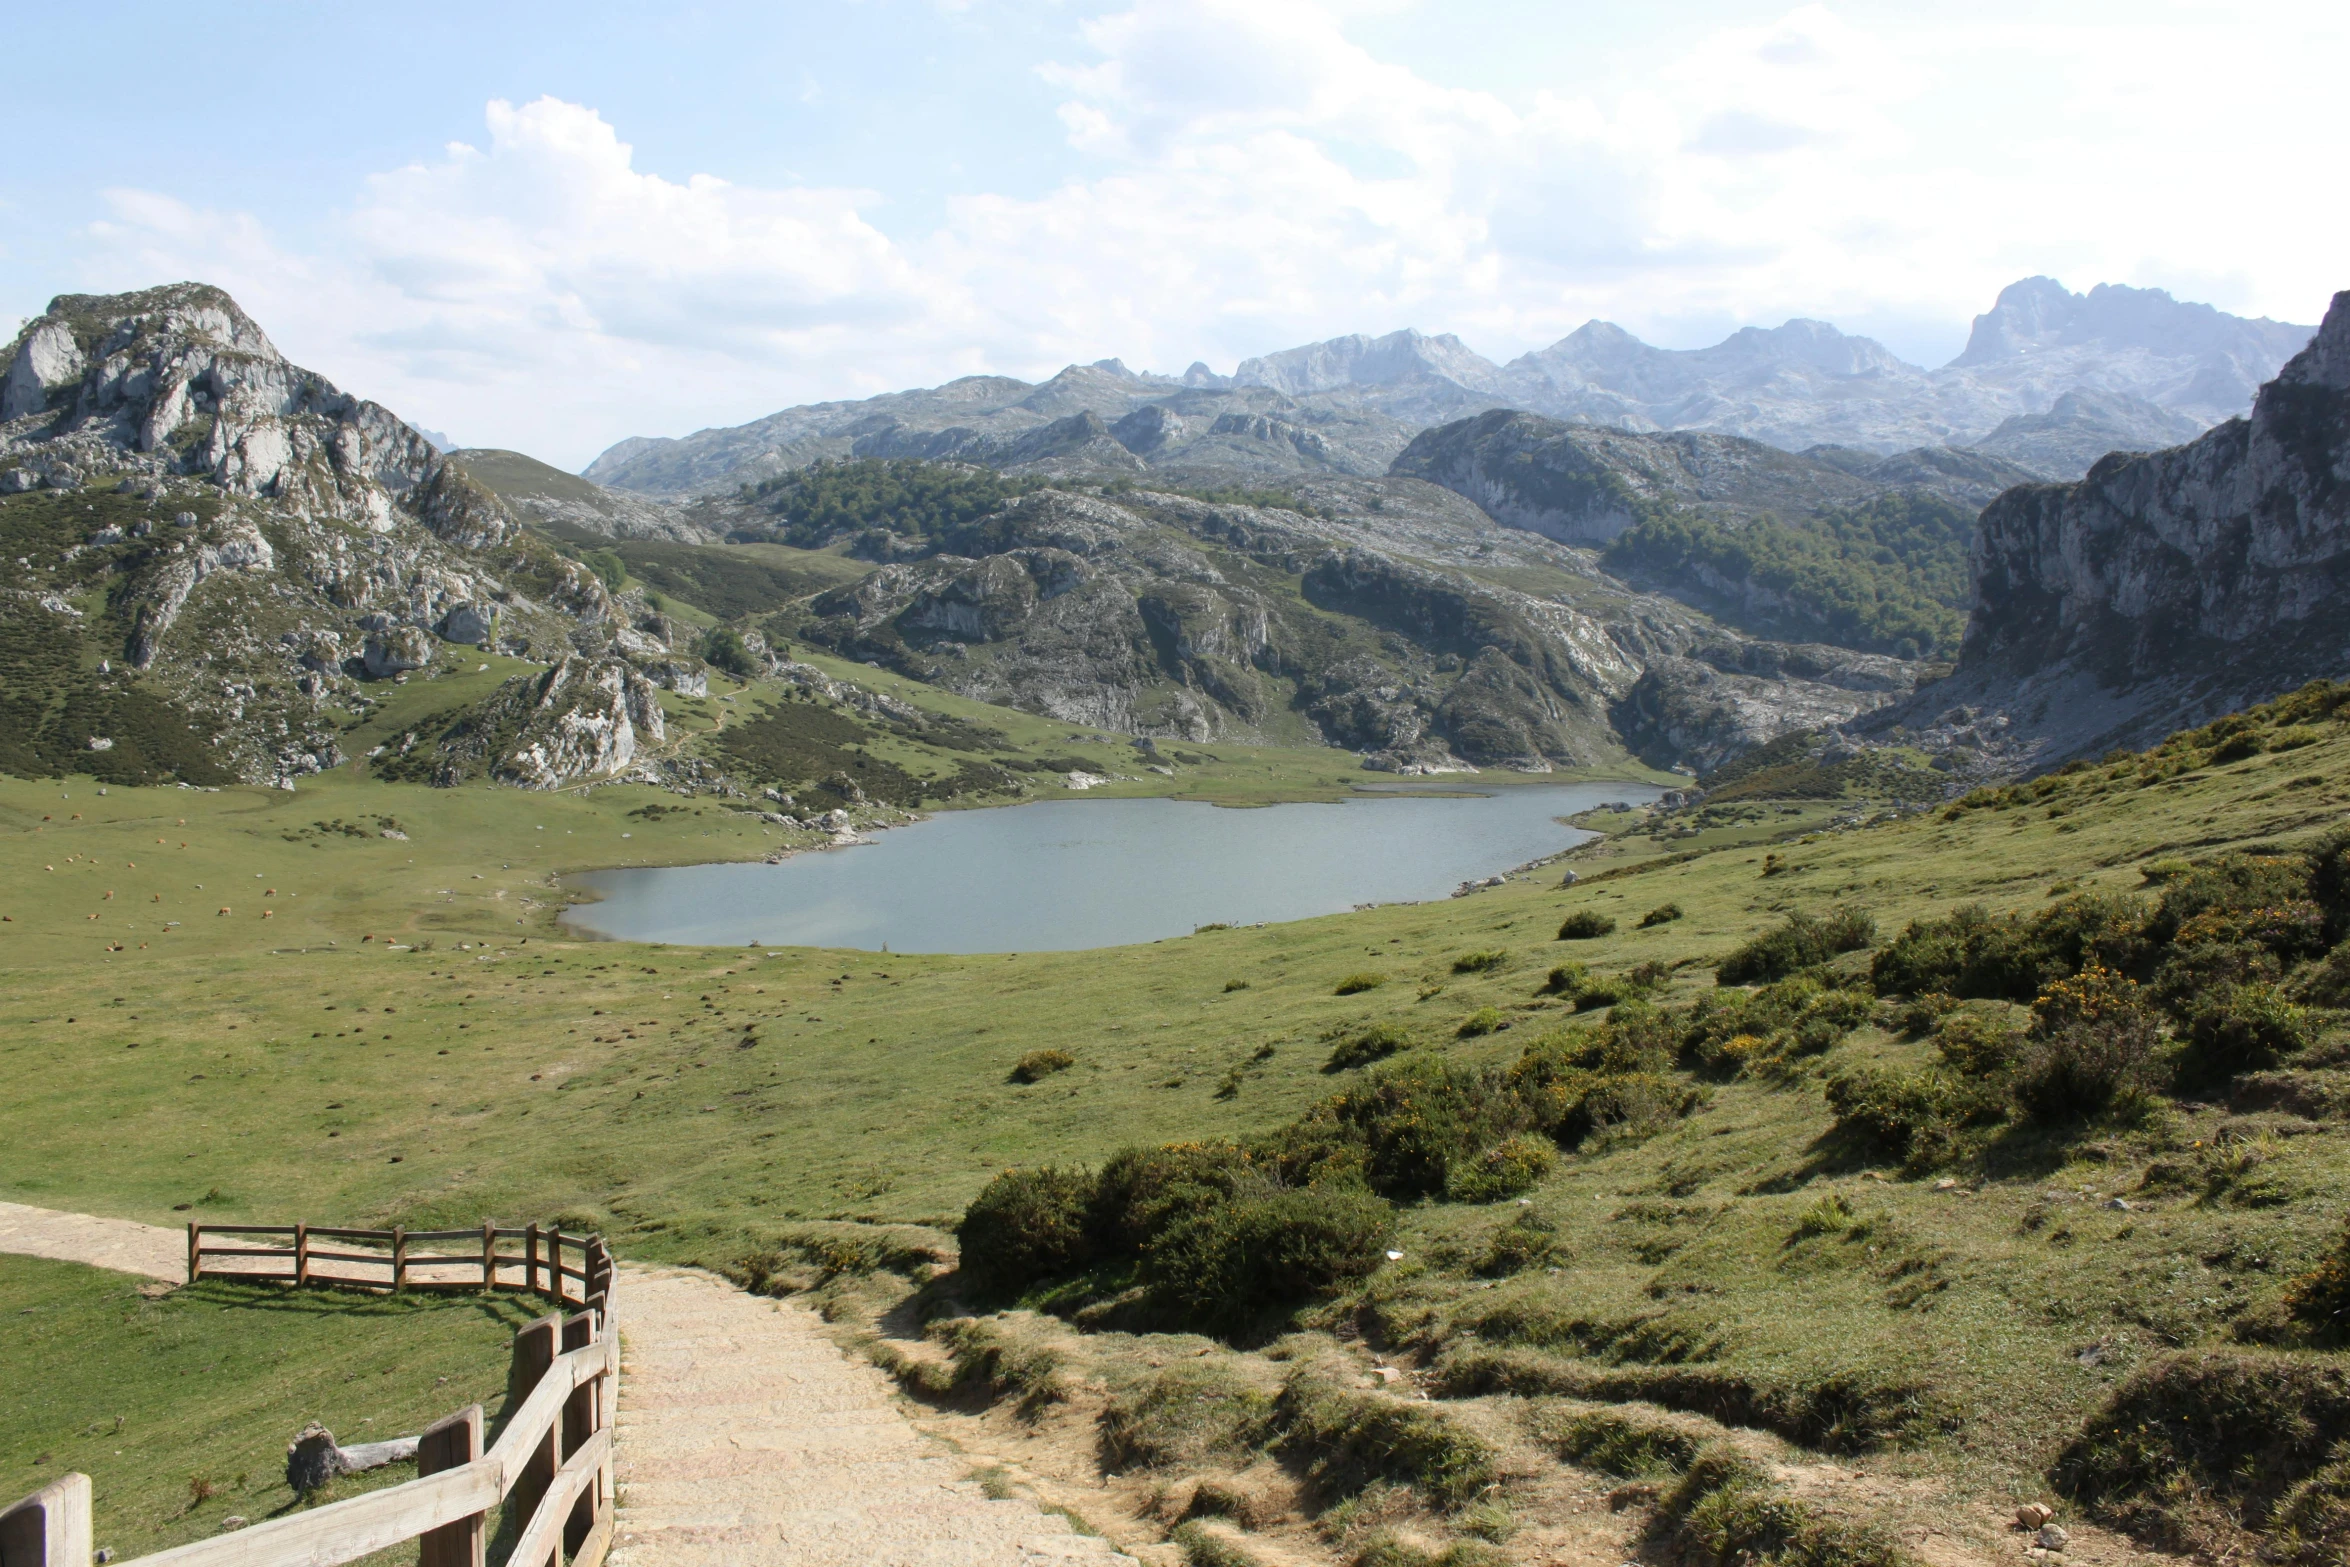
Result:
[
  {"x": 2326, "y": 361},
  {"x": 1357, "y": 360}
]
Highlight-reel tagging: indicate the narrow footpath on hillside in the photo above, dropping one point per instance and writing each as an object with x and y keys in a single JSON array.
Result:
[{"x": 745, "y": 1435}]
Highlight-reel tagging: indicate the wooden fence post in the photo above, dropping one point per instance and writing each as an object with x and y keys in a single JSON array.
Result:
[
  {"x": 195, "y": 1252},
  {"x": 489, "y": 1254},
  {"x": 301, "y": 1255},
  {"x": 579, "y": 1424},
  {"x": 452, "y": 1444},
  {"x": 51, "y": 1527},
  {"x": 534, "y": 1352},
  {"x": 399, "y": 1258},
  {"x": 530, "y": 1257}
]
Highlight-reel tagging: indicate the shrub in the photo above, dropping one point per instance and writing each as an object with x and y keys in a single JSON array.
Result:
[
  {"x": 1801, "y": 942},
  {"x": 723, "y": 648},
  {"x": 2091, "y": 1049},
  {"x": 2243, "y": 1028},
  {"x": 1662, "y": 914},
  {"x": 1038, "y": 1065},
  {"x": 1568, "y": 980},
  {"x": 1026, "y": 1226},
  {"x": 2229, "y": 883},
  {"x": 1586, "y": 925},
  {"x": 1414, "y": 1117},
  {"x": 1230, "y": 1266},
  {"x": 1977, "y": 1046},
  {"x": 1365, "y": 1044},
  {"x": 1351, "y": 1439},
  {"x": 1509, "y": 1167},
  {"x": 1356, "y": 984},
  {"x": 1480, "y": 962},
  {"x": 1485, "y": 1020},
  {"x": 1915, "y": 1118},
  {"x": 1193, "y": 1411},
  {"x": 1141, "y": 1192}
]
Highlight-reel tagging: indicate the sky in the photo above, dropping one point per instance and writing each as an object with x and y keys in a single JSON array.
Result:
[{"x": 550, "y": 227}]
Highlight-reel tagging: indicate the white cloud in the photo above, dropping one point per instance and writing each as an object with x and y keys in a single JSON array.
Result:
[{"x": 1250, "y": 177}]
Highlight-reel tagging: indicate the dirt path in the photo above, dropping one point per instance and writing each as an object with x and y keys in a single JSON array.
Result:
[
  {"x": 123, "y": 1245},
  {"x": 745, "y": 1435}
]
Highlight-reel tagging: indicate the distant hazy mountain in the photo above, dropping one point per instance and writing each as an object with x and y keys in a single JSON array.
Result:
[{"x": 2050, "y": 381}]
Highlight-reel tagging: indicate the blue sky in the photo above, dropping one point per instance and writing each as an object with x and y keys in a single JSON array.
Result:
[{"x": 554, "y": 226}]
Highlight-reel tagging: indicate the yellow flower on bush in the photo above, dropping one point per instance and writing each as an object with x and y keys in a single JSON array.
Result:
[{"x": 2095, "y": 993}]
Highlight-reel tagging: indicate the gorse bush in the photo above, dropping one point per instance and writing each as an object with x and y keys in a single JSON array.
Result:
[
  {"x": 1228, "y": 1266},
  {"x": 1662, "y": 914},
  {"x": 1356, "y": 984},
  {"x": 1728, "y": 1033},
  {"x": 2241, "y": 1028},
  {"x": 1026, "y": 1226},
  {"x": 2091, "y": 1049},
  {"x": 1918, "y": 1118},
  {"x": 1480, "y": 962},
  {"x": 1585, "y": 925},
  {"x": 1802, "y": 941}
]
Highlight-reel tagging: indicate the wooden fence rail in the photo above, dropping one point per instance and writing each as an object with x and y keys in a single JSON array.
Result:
[
  {"x": 549, "y": 1472},
  {"x": 568, "y": 1269}
]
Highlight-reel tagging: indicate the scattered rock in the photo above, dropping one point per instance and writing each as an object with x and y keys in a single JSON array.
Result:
[
  {"x": 2051, "y": 1538},
  {"x": 2033, "y": 1515}
]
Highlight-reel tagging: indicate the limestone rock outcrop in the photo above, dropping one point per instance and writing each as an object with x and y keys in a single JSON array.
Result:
[
  {"x": 265, "y": 546},
  {"x": 2163, "y": 590}
]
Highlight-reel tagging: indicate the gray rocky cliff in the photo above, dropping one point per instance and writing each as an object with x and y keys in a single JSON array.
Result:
[
  {"x": 266, "y": 547},
  {"x": 2165, "y": 589}
]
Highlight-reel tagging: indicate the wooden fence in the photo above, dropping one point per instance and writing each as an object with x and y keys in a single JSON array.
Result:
[
  {"x": 549, "y": 1473},
  {"x": 400, "y": 1259}
]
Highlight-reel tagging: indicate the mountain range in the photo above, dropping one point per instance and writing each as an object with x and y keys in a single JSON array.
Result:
[
  {"x": 223, "y": 558},
  {"x": 2049, "y": 381}
]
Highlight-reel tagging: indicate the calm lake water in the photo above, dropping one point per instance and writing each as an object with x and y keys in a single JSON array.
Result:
[{"x": 1068, "y": 875}]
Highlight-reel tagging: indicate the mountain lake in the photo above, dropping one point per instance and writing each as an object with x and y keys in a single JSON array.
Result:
[{"x": 1063, "y": 876}]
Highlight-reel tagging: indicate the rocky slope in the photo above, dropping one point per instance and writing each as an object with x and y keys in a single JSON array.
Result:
[
  {"x": 2161, "y": 590},
  {"x": 558, "y": 501},
  {"x": 2115, "y": 369},
  {"x": 1581, "y": 484},
  {"x": 1094, "y": 419},
  {"x": 220, "y": 556},
  {"x": 1394, "y": 619}
]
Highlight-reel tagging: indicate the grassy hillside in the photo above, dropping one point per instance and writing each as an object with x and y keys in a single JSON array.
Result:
[
  {"x": 179, "y": 1404},
  {"x": 407, "y": 1036}
]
